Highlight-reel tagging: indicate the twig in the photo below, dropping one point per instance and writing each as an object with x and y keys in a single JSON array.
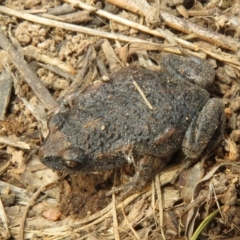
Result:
[
  {"x": 111, "y": 56},
  {"x": 158, "y": 33},
  {"x": 216, "y": 38},
  {"x": 222, "y": 56},
  {"x": 102, "y": 68},
  {"x": 14, "y": 142},
  {"x": 36, "y": 53},
  {"x": 58, "y": 71},
  {"x": 77, "y": 82},
  {"x": 75, "y": 17},
  {"x": 6, "y": 87},
  {"x": 62, "y": 9},
  {"x": 29, "y": 75},
  {"x": 151, "y": 14},
  {"x": 67, "y": 26}
]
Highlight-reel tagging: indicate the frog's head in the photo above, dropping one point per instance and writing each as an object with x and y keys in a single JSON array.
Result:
[
  {"x": 58, "y": 152},
  {"x": 65, "y": 160}
]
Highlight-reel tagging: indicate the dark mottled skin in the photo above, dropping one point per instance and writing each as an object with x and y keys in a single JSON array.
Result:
[{"x": 110, "y": 124}]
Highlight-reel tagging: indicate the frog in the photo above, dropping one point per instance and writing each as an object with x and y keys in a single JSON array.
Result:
[{"x": 139, "y": 116}]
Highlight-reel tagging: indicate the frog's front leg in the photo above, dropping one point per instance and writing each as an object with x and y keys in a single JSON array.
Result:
[
  {"x": 140, "y": 179},
  {"x": 205, "y": 130},
  {"x": 147, "y": 168}
]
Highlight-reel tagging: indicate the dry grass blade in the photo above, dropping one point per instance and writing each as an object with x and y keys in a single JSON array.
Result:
[
  {"x": 4, "y": 221},
  {"x": 160, "y": 205},
  {"x": 142, "y": 95},
  {"x": 134, "y": 47},
  {"x": 130, "y": 225},
  {"x": 115, "y": 221}
]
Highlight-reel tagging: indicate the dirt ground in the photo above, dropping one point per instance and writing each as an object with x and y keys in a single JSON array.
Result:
[{"x": 69, "y": 44}]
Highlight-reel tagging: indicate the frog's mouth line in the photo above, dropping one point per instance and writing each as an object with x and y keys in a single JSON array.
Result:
[{"x": 61, "y": 165}]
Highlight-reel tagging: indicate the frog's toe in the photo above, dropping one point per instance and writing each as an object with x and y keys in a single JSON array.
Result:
[
  {"x": 124, "y": 191},
  {"x": 114, "y": 190}
]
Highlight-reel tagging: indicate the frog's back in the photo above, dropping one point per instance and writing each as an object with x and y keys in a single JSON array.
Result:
[{"x": 112, "y": 115}]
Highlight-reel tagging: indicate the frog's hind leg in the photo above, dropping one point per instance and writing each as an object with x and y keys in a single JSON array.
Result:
[
  {"x": 216, "y": 138},
  {"x": 205, "y": 131}
]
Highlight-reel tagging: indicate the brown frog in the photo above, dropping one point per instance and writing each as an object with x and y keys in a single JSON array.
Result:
[{"x": 110, "y": 124}]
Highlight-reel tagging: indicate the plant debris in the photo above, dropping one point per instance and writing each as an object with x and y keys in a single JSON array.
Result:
[{"x": 50, "y": 49}]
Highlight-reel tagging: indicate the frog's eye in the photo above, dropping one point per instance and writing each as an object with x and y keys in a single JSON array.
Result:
[
  {"x": 56, "y": 122},
  {"x": 71, "y": 164},
  {"x": 74, "y": 158}
]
